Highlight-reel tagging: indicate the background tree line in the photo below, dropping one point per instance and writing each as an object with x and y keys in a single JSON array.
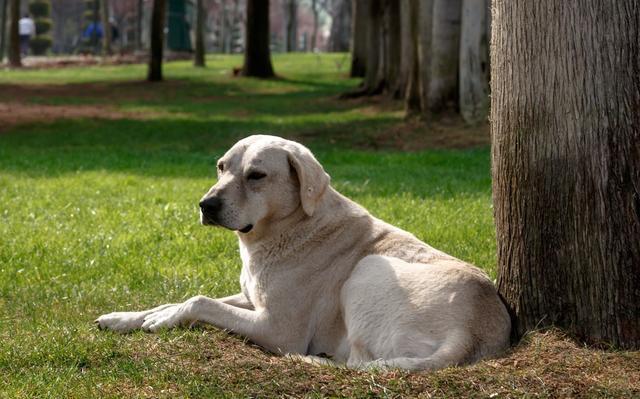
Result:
[{"x": 434, "y": 54}]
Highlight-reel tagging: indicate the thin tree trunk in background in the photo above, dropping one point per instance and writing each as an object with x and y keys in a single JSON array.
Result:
[
  {"x": 139, "y": 12},
  {"x": 291, "y": 37},
  {"x": 257, "y": 56},
  {"x": 393, "y": 48},
  {"x": 198, "y": 59},
  {"x": 314, "y": 32},
  {"x": 106, "y": 28},
  {"x": 445, "y": 51},
  {"x": 412, "y": 94},
  {"x": 95, "y": 40},
  {"x": 565, "y": 126},
  {"x": 223, "y": 39},
  {"x": 374, "y": 56},
  {"x": 425, "y": 40},
  {"x": 474, "y": 61},
  {"x": 235, "y": 17},
  {"x": 406, "y": 49},
  {"x": 359, "y": 35},
  {"x": 14, "y": 35},
  {"x": 157, "y": 40},
  {"x": 3, "y": 27},
  {"x": 340, "y": 33}
]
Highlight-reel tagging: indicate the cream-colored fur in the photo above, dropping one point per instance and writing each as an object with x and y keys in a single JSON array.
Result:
[{"x": 321, "y": 276}]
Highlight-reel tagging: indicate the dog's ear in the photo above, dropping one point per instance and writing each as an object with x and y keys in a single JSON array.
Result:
[{"x": 312, "y": 177}]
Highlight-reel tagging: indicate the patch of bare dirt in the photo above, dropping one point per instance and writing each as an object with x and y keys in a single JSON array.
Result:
[
  {"x": 100, "y": 92},
  {"x": 17, "y": 101},
  {"x": 48, "y": 62},
  {"x": 16, "y": 113},
  {"x": 444, "y": 132}
]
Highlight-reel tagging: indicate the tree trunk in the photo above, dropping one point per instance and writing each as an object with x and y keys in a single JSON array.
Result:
[
  {"x": 257, "y": 56},
  {"x": 372, "y": 84},
  {"x": 139, "y": 12},
  {"x": 474, "y": 61},
  {"x": 291, "y": 36},
  {"x": 157, "y": 40},
  {"x": 393, "y": 48},
  {"x": 95, "y": 40},
  {"x": 406, "y": 49},
  {"x": 566, "y": 165},
  {"x": 359, "y": 45},
  {"x": 223, "y": 28},
  {"x": 425, "y": 40},
  {"x": 340, "y": 34},
  {"x": 198, "y": 59},
  {"x": 106, "y": 28},
  {"x": 3, "y": 27},
  {"x": 314, "y": 32},
  {"x": 235, "y": 17},
  {"x": 445, "y": 50},
  {"x": 14, "y": 35},
  {"x": 412, "y": 95}
]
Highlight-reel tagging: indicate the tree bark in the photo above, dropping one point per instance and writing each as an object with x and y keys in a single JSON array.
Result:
[
  {"x": 474, "y": 61},
  {"x": 393, "y": 48},
  {"x": 373, "y": 68},
  {"x": 340, "y": 34},
  {"x": 359, "y": 35},
  {"x": 3, "y": 27},
  {"x": 223, "y": 29},
  {"x": 406, "y": 50},
  {"x": 425, "y": 40},
  {"x": 106, "y": 28},
  {"x": 314, "y": 32},
  {"x": 291, "y": 34},
  {"x": 445, "y": 50},
  {"x": 257, "y": 56},
  {"x": 139, "y": 12},
  {"x": 15, "y": 60},
  {"x": 157, "y": 40},
  {"x": 566, "y": 165},
  {"x": 198, "y": 59},
  {"x": 412, "y": 94}
]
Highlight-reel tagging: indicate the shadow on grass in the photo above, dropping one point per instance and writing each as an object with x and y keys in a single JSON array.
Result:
[
  {"x": 189, "y": 96},
  {"x": 202, "y": 119},
  {"x": 176, "y": 148}
]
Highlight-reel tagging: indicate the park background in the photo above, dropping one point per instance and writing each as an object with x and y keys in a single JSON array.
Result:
[{"x": 108, "y": 143}]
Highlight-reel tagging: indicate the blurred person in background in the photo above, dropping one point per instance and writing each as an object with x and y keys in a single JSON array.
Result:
[{"x": 27, "y": 29}]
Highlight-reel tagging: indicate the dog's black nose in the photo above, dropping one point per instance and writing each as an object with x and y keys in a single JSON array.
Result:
[{"x": 211, "y": 205}]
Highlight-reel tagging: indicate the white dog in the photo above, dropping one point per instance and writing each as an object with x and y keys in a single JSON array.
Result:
[{"x": 321, "y": 276}]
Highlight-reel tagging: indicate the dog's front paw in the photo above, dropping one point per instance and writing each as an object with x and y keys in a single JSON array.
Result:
[
  {"x": 170, "y": 317},
  {"x": 121, "y": 322}
]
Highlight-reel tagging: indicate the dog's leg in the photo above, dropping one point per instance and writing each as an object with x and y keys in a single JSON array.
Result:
[
  {"x": 252, "y": 324},
  {"x": 124, "y": 322},
  {"x": 237, "y": 300}
]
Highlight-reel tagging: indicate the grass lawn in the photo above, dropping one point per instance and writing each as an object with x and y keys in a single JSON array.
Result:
[{"x": 100, "y": 176}]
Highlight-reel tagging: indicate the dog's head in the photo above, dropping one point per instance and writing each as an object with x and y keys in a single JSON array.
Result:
[{"x": 263, "y": 179}]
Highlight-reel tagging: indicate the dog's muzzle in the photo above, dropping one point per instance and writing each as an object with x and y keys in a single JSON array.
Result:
[{"x": 210, "y": 208}]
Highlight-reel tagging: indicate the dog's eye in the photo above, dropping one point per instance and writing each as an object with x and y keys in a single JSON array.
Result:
[
  {"x": 256, "y": 176},
  {"x": 221, "y": 167}
]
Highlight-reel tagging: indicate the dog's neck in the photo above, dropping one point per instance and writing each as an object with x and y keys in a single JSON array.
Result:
[{"x": 298, "y": 228}]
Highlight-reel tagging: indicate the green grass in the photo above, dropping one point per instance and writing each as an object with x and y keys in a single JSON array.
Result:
[{"x": 99, "y": 215}]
